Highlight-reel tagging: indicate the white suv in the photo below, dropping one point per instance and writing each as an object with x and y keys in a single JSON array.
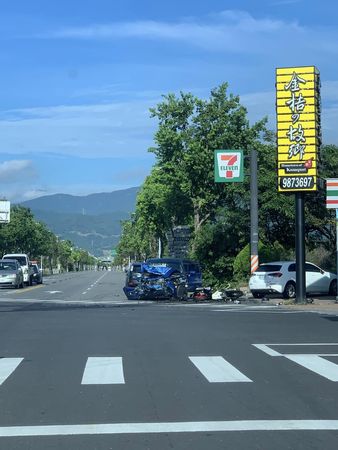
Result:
[
  {"x": 280, "y": 278},
  {"x": 23, "y": 260}
]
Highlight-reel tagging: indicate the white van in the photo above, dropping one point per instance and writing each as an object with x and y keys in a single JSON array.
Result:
[{"x": 23, "y": 260}]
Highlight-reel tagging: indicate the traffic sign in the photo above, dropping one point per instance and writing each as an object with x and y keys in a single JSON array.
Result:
[{"x": 228, "y": 166}]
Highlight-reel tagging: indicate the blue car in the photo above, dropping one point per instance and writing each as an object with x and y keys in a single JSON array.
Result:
[
  {"x": 189, "y": 268},
  {"x": 162, "y": 278}
]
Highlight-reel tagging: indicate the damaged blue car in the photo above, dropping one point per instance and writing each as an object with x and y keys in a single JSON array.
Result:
[{"x": 155, "y": 283}]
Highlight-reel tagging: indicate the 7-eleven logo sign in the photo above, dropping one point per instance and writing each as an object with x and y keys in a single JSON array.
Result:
[{"x": 228, "y": 165}]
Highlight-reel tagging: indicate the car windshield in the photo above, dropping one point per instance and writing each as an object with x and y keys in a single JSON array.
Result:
[
  {"x": 165, "y": 263},
  {"x": 7, "y": 265},
  {"x": 21, "y": 260},
  {"x": 269, "y": 268}
]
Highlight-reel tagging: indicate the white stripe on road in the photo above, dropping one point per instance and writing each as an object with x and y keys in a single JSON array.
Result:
[
  {"x": 217, "y": 370},
  {"x": 103, "y": 370},
  {"x": 317, "y": 364},
  {"x": 169, "y": 427},
  {"x": 305, "y": 343},
  {"x": 7, "y": 366},
  {"x": 269, "y": 351}
]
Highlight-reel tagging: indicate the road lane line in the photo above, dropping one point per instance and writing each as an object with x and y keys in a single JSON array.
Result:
[
  {"x": 7, "y": 366},
  {"x": 103, "y": 370},
  {"x": 264, "y": 348},
  {"x": 305, "y": 344},
  {"x": 317, "y": 364},
  {"x": 217, "y": 370},
  {"x": 169, "y": 427},
  {"x": 26, "y": 289}
]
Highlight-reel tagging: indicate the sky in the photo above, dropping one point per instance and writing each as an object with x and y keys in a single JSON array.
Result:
[{"x": 78, "y": 77}]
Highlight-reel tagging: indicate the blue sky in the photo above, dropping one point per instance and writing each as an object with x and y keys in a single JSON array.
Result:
[{"x": 78, "y": 78}]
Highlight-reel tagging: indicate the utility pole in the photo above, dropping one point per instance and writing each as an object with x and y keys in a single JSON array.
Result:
[{"x": 253, "y": 211}]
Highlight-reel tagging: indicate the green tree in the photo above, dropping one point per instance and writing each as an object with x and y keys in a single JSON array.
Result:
[{"x": 190, "y": 129}]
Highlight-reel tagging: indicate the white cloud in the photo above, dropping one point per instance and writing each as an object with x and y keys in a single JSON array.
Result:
[
  {"x": 229, "y": 31},
  {"x": 16, "y": 170},
  {"x": 87, "y": 130}
]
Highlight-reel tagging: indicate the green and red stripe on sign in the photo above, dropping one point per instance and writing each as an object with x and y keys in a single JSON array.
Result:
[{"x": 332, "y": 193}]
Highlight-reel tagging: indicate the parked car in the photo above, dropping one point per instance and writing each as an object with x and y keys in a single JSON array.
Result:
[
  {"x": 37, "y": 274},
  {"x": 11, "y": 274},
  {"x": 23, "y": 260},
  {"x": 280, "y": 278}
]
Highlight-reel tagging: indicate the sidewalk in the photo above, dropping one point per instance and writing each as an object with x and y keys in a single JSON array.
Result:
[{"x": 323, "y": 305}]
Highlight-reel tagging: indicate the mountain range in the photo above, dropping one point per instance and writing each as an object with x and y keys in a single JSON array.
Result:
[{"x": 91, "y": 222}]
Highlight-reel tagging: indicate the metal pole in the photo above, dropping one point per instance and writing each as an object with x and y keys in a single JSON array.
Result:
[
  {"x": 253, "y": 211},
  {"x": 300, "y": 250},
  {"x": 159, "y": 247},
  {"x": 337, "y": 251}
]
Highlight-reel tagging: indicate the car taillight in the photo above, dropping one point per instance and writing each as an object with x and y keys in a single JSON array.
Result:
[{"x": 275, "y": 274}]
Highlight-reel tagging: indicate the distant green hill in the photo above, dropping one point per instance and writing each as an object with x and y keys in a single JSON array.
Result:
[{"x": 92, "y": 222}]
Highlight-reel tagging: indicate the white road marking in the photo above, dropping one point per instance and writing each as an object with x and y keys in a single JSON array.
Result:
[
  {"x": 305, "y": 343},
  {"x": 54, "y": 292},
  {"x": 92, "y": 285},
  {"x": 103, "y": 370},
  {"x": 264, "y": 348},
  {"x": 7, "y": 366},
  {"x": 217, "y": 370},
  {"x": 317, "y": 364},
  {"x": 169, "y": 427}
]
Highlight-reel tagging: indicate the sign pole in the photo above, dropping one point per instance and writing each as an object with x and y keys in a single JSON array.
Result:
[
  {"x": 253, "y": 211},
  {"x": 300, "y": 249}
]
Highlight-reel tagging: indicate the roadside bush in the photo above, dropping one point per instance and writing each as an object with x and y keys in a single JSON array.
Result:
[
  {"x": 267, "y": 253},
  {"x": 323, "y": 258}
]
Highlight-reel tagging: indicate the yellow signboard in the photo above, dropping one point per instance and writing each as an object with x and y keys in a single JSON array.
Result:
[{"x": 298, "y": 127}]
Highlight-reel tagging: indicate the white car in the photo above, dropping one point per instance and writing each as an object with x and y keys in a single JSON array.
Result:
[
  {"x": 23, "y": 260},
  {"x": 280, "y": 278}
]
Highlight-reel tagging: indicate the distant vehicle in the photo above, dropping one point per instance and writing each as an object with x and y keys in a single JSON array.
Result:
[
  {"x": 280, "y": 278},
  {"x": 11, "y": 274},
  {"x": 37, "y": 274},
  {"x": 189, "y": 268},
  {"x": 23, "y": 260}
]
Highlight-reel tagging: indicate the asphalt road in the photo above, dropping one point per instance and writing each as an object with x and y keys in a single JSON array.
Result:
[{"x": 83, "y": 368}]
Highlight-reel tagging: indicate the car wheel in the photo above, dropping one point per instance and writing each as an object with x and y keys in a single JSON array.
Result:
[
  {"x": 333, "y": 287},
  {"x": 290, "y": 290},
  {"x": 22, "y": 285}
]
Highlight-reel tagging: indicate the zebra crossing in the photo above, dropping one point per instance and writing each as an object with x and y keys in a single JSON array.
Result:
[{"x": 109, "y": 370}]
